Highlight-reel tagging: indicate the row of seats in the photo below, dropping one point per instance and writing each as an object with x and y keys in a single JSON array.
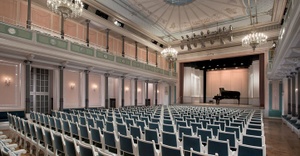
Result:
[
  {"x": 140, "y": 135},
  {"x": 9, "y": 149},
  {"x": 292, "y": 122},
  {"x": 49, "y": 141}
]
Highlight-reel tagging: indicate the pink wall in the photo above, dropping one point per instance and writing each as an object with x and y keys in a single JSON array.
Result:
[
  {"x": 9, "y": 92},
  {"x": 71, "y": 96},
  {"x": 235, "y": 80},
  {"x": 94, "y": 90}
]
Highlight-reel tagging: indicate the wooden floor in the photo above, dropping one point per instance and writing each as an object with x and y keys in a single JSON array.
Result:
[{"x": 280, "y": 140}]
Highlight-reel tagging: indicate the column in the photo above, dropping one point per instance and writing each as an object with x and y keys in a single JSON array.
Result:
[
  {"x": 175, "y": 94},
  {"x": 87, "y": 88},
  {"x": 123, "y": 46},
  {"x": 297, "y": 92},
  {"x": 107, "y": 40},
  {"x": 61, "y": 87},
  {"x": 293, "y": 93},
  {"x": 136, "y": 50},
  {"x": 106, "y": 89},
  {"x": 147, "y": 59},
  {"x": 27, "y": 85},
  {"x": 62, "y": 32},
  {"x": 170, "y": 94},
  {"x": 289, "y": 95},
  {"x": 156, "y": 64},
  {"x": 147, "y": 83},
  {"x": 28, "y": 22},
  {"x": 135, "y": 91},
  {"x": 156, "y": 85},
  {"x": 87, "y": 32},
  {"x": 122, "y": 90}
]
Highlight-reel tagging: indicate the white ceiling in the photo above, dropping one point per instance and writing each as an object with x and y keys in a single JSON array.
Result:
[{"x": 170, "y": 21}]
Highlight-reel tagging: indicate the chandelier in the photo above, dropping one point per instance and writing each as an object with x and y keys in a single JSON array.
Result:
[
  {"x": 66, "y": 8},
  {"x": 170, "y": 54},
  {"x": 254, "y": 39}
]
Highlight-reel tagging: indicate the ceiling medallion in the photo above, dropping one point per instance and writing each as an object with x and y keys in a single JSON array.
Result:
[{"x": 179, "y": 2}]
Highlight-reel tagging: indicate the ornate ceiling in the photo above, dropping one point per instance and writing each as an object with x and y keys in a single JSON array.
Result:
[{"x": 175, "y": 18}]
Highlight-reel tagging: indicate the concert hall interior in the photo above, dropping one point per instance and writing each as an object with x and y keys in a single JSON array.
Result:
[{"x": 170, "y": 77}]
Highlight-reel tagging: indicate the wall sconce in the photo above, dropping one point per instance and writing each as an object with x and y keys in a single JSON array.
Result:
[
  {"x": 157, "y": 91},
  {"x": 139, "y": 89},
  {"x": 7, "y": 81},
  {"x": 126, "y": 89},
  {"x": 72, "y": 85},
  {"x": 296, "y": 90},
  {"x": 94, "y": 87}
]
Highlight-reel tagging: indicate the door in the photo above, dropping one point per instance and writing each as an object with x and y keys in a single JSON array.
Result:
[{"x": 39, "y": 90}]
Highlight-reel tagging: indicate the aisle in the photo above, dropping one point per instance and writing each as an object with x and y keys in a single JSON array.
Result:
[{"x": 280, "y": 140}]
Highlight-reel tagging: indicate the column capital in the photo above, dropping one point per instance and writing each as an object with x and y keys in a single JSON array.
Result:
[
  {"x": 87, "y": 71},
  {"x": 27, "y": 62},
  {"x": 293, "y": 73},
  {"x": 135, "y": 79},
  {"x": 298, "y": 69},
  {"x": 147, "y": 81},
  {"x": 87, "y": 21},
  {"x": 106, "y": 74},
  {"x": 122, "y": 77},
  {"x": 107, "y": 30},
  {"x": 61, "y": 67}
]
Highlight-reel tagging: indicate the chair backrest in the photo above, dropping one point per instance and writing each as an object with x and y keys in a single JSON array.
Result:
[
  {"x": 189, "y": 120},
  {"x": 47, "y": 137},
  {"x": 109, "y": 126},
  {"x": 246, "y": 150},
  {"x": 155, "y": 120},
  {"x": 255, "y": 132},
  {"x": 255, "y": 126},
  {"x": 57, "y": 142},
  {"x": 151, "y": 134},
  {"x": 237, "y": 124},
  {"x": 169, "y": 139},
  {"x": 236, "y": 130},
  {"x": 39, "y": 133},
  {"x": 83, "y": 131},
  {"x": 215, "y": 128},
  {"x": 58, "y": 124},
  {"x": 141, "y": 124},
  {"x": 90, "y": 122},
  {"x": 168, "y": 128},
  {"x": 109, "y": 139},
  {"x": 122, "y": 129},
  {"x": 189, "y": 142},
  {"x": 196, "y": 125},
  {"x": 169, "y": 150},
  {"x": 136, "y": 132},
  {"x": 204, "y": 134},
  {"x": 153, "y": 125},
  {"x": 180, "y": 123},
  {"x": 86, "y": 149},
  {"x": 129, "y": 122},
  {"x": 32, "y": 130},
  {"x": 253, "y": 140},
  {"x": 126, "y": 144},
  {"x": 204, "y": 122},
  {"x": 218, "y": 146},
  {"x": 228, "y": 136},
  {"x": 75, "y": 118},
  {"x": 146, "y": 148},
  {"x": 221, "y": 123},
  {"x": 95, "y": 136},
  {"x": 66, "y": 126},
  {"x": 119, "y": 120},
  {"x": 100, "y": 124},
  {"x": 167, "y": 121},
  {"x": 74, "y": 129},
  {"x": 184, "y": 130}
]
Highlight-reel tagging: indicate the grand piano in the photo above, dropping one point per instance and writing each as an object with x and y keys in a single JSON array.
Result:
[{"x": 226, "y": 94}]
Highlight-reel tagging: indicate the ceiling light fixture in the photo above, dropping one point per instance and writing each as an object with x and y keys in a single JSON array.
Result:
[
  {"x": 170, "y": 54},
  {"x": 66, "y": 9},
  {"x": 254, "y": 39},
  {"x": 220, "y": 34}
]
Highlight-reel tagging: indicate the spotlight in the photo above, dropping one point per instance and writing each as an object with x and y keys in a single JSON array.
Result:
[
  {"x": 222, "y": 41},
  {"x": 212, "y": 42},
  {"x": 208, "y": 32},
  {"x": 202, "y": 44},
  {"x": 118, "y": 23},
  {"x": 195, "y": 44},
  {"x": 230, "y": 28},
  {"x": 182, "y": 47},
  {"x": 202, "y": 34},
  {"x": 182, "y": 37},
  {"x": 189, "y": 46},
  {"x": 187, "y": 36}
]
